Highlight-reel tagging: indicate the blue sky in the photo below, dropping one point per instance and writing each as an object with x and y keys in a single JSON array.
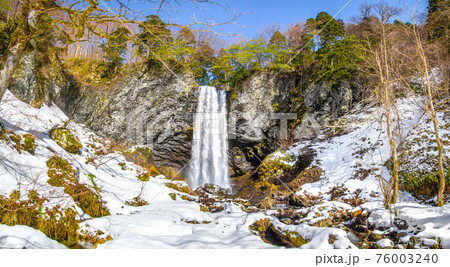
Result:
[{"x": 258, "y": 13}]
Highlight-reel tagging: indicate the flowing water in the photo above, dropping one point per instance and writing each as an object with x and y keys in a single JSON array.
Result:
[{"x": 209, "y": 163}]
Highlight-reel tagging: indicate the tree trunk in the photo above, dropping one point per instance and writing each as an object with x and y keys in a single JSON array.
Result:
[
  {"x": 432, "y": 113},
  {"x": 386, "y": 82},
  {"x": 9, "y": 65}
]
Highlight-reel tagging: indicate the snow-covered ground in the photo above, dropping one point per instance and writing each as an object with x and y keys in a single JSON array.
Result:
[
  {"x": 366, "y": 146},
  {"x": 161, "y": 224},
  {"x": 20, "y": 236},
  {"x": 179, "y": 223}
]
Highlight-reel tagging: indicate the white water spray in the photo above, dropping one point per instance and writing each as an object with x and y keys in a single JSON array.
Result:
[{"x": 209, "y": 162}]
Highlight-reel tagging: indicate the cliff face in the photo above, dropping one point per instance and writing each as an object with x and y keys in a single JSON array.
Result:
[
  {"x": 146, "y": 109},
  {"x": 265, "y": 102},
  {"x": 35, "y": 82},
  {"x": 157, "y": 110},
  {"x": 154, "y": 109}
]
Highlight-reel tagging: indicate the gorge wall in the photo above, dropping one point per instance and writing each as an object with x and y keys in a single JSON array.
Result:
[
  {"x": 155, "y": 108},
  {"x": 256, "y": 130},
  {"x": 146, "y": 109}
]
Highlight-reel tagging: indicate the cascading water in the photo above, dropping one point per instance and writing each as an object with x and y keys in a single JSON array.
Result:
[{"x": 209, "y": 162}]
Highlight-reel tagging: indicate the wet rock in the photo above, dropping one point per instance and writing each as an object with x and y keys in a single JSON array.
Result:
[
  {"x": 375, "y": 236},
  {"x": 238, "y": 162},
  {"x": 402, "y": 234},
  {"x": 401, "y": 224}
]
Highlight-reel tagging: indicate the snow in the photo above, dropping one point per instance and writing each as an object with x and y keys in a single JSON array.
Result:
[
  {"x": 319, "y": 236},
  {"x": 19, "y": 236},
  {"x": 165, "y": 223},
  {"x": 431, "y": 221},
  {"x": 340, "y": 156},
  {"x": 161, "y": 224},
  {"x": 385, "y": 243}
]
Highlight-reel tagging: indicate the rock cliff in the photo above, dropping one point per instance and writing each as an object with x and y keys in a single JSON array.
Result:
[
  {"x": 266, "y": 102},
  {"x": 156, "y": 109},
  {"x": 146, "y": 109}
]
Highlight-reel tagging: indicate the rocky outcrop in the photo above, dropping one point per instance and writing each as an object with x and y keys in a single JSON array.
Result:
[
  {"x": 151, "y": 109},
  {"x": 156, "y": 109},
  {"x": 254, "y": 125},
  {"x": 326, "y": 102},
  {"x": 42, "y": 79},
  {"x": 266, "y": 102}
]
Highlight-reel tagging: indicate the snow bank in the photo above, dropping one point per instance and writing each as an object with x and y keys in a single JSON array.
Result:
[{"x": 19, "y": 237}]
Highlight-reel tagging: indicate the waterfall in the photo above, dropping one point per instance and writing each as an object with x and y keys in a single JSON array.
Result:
[{"x": 209, "y": 163}]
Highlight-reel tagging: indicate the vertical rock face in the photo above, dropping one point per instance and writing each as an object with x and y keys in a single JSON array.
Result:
[
  {"x": 254, "y": 129},
  {"x": 157, "y": 109},
  {"x": 148, "y": 109},
  {"x": 46, "y": 84},
  {"x": 326, "y": 102},
  {"x": 256, "y": 99},
  {"x": 24, "y": 83}
]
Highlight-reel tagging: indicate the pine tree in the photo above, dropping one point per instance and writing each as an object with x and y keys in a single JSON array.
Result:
[
  {"x": 329, "y": 29},
  {"x": 114, "y": 49},
  {"x": 154, "y": 34},
  {"x": 438, "y": 20},
  {"x": 187, "y": 36},
  {"x": 278, "y": 39}
]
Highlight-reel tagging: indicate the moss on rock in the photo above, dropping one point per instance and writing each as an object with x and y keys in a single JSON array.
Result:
[
  {"x": 272, "y": 235},
  {"x": 141, "y": 156},
  {"x": 63, "y": 137},
  {"x": 61, "y": 174}
]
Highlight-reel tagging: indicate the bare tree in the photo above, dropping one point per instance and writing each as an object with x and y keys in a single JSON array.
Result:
[
  {"x": 75, "y": 20},
  {"x": 431, "y": 88},
  {"x": 267, "y": 32},
  {"x": 377, "y": 34}
]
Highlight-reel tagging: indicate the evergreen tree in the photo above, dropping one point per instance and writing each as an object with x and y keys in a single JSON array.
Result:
[
  {"x": 114, "y": 49},
  {"x": 340, "y": 60},
  {"x": 154, "y": 34},
  {"x": 278, "y": 39},
  {"x": 187, "y": 36},
  {"x": 204, "y": 60},
  {"x": 329, "y": 29},
  {"x": 438, "y": 20}
]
